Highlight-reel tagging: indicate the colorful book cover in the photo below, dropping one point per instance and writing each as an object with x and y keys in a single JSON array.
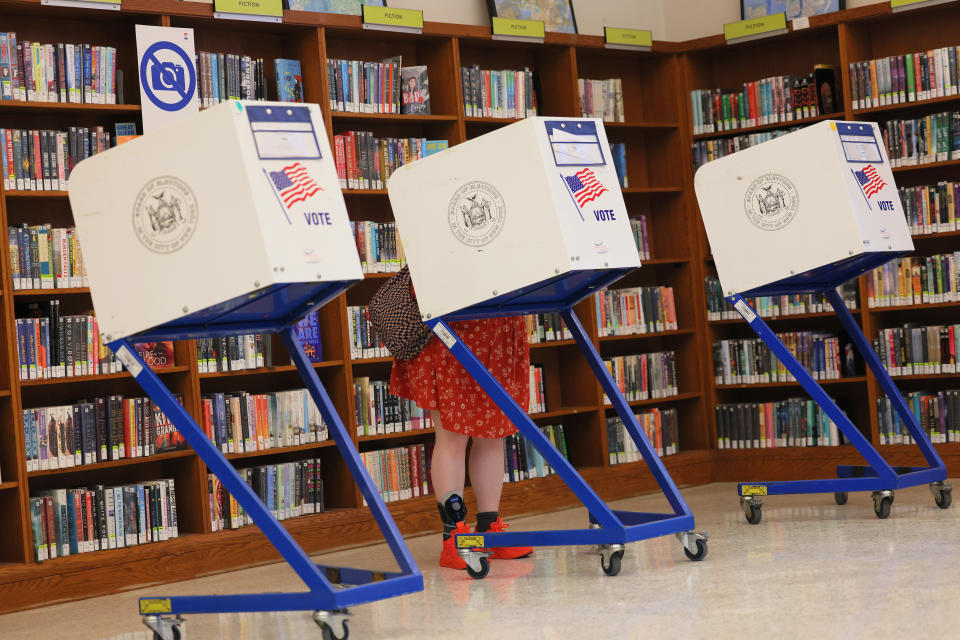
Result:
[
  {"x": 166, "y": 436},
  {"x": 308, "y": 331},
  {"x": 289, "y": 80},
  {"x": 158, "y": 355},
  {"x": 125, "y": 129},
  {"x": 435, "y": 146},
  {"x": 416, "y": 90}
]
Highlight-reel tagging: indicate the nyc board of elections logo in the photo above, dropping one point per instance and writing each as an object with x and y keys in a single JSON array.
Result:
[
  {"x": 771, "y": 202},
  {"x": 476, "y": 214},
  {"x": 165, "y": 214}
]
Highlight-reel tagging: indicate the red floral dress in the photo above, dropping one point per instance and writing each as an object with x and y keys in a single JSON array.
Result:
[{"x": 436, "y": 381}]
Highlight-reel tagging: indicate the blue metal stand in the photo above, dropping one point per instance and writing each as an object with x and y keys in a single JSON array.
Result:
[
  {"x": 878, "y": 476},
  {"x": 609, "y": 529},
  {"x": 326, "y": 596}
]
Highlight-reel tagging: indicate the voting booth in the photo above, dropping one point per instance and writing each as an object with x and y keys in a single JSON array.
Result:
[
  {"x": 805, "y": 213},
  {"x": 229, "y": 222},
  {"x": 529, "y": 219}
]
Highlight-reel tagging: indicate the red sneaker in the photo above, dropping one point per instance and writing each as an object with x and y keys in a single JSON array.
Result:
[
  {"x": 449, "y": 557},
  {"x": 506, "y": 553}
]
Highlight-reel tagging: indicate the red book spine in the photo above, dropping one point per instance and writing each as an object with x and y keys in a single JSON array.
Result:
[
  {"x": 340, "y": 162},
  {"x": 752, "y": 93},
  {"x": 351, "y": 154},
  {"x": 78, "y": 504},
  {"x": 38, "y": 160},
  {"x": 129, "y": 430},
  {"x": 416, "y": 482},
  {"x": 91, "y": 519},
  {"x": 48, "y": 522}
]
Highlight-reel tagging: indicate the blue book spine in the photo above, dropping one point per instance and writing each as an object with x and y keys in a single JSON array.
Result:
[
  {"x": 87, "y": 73},
  {"x": 220, "y": 418},
  {"x": 215, "y": 78},
  {"x": 72, "y": 524},
  {"x": 142, "y": 513}
]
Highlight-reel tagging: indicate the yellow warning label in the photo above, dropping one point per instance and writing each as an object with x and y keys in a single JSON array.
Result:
[
  {"x": 753, "y": 490},
  {"x": 152, "y": 606},
  {"x": 469, "y": 542}
]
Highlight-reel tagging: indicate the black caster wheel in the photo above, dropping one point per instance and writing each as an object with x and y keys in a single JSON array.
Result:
[
  {"x": 612, "y": 568},
  {"x": 176, "y": 634},
  {"x": 701, "y": 550},
  {"x": 482, "y": 573},
  {"x": 327, "y": 633},
  {"x": 882, "y": 508},
  {"x": 840, "y": 497},
  {"x": 944, "y": 500},
  {"x": 755, "y": 515}
]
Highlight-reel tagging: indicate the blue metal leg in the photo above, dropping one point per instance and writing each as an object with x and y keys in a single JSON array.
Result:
[
  {"x": 616, "y": 527},
  {"x": 322, "y": 595},
  {"x": 878, "y": 475}
]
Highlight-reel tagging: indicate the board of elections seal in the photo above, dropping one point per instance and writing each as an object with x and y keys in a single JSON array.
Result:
[
  {"x": 771, "y": 202},
  {"x": 165, "y": 214},
  {"x": 476, "y": 213}
]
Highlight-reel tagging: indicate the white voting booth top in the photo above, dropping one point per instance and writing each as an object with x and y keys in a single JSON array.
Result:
[
  {"x": 234, "y": 200},
  {"x": 534, "y": 201},
  {"x": 802, "y": 209}
]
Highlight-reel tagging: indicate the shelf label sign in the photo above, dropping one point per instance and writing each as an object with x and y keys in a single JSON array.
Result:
[
  {"x": 525, "y": 30},
  {"x": 632, "y": 38},
  {"x": 267, "y": 10},
  {"x": 168, "y": 75},
  {"x": 755, "y": 28},
  {"x": 391, "y": 19},
  {"x": 914, "y": 4},
  {"x": 85, "y": 4}
]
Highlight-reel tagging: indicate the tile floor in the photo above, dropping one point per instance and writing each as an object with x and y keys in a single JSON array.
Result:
[{"x": 811, "y": 569}]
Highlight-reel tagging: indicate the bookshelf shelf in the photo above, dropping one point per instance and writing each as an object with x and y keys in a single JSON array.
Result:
[
  {"x": 652, "y": 190},
  {"x": 653, "y": 261},
  {"x": 786, "y": 318},
  {"x": 564, "y": 411},
  {"x": 547, "y": 344},
  {"x": 927, "y": 377},
  {"x": 248, "y": 372},
  {"x": 48, "y": 107},
  {"x": 125, "y": 462},
  {"x": 5, "y": 393},
  {"x": 490, "y": 121},
  {"x": 774, "y": 385},
  {"x": 413, "y": 433},
  {"x": 364, "y": 192},
  {"x": 769, "y": 127},
  {"x": 916, "y": 307},
  {"x": 787, "y": 452},
  {"x": 646, "y": 336},
  {"x": 363, "y": 361},
  {"x": 928, "y": 166},
  {"x": 391, "y": 117},
  {"x": 906, "y": 106},
  {"x": 309, "y": 446},
  {"x": 936, "y": 235},
  {"x": 67, "y": 291},
  {"x": 641, "y": 125},
  {"x": 378, "y": 276},
  {"x": 14, "y": 193},
  {"x": 8, "y": 485},
  {"x": 680, "y": 397},
  {"x": 102, "y": 376}
]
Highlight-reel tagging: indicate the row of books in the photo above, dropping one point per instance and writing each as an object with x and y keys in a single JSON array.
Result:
[
  {"x": 41, "y": 160},
  {"x": 507, "y": 93},
  {"x": 378, "y": 87},
  {"x": 365, "y": 162},
  {"x": 364, "y": 341},
  {"x": 547, "y": 327},
  {"x": 937, "y": 413},
  {"x": 918, "y": 350},
  {"x": 241, "y": 422},
  {"x": 379, "y": 246},
  {"x": 750, "y": 360},
  {"x": 522, "y": 461},
  {"x": 102, "y": 429},
  {"x": 538, "y": 393},
  {"x": 931, "y": 208},
  {"x": 601, "y": 99},
  {"x": 661, "y": 427},
  {"x": 644, "y": 376},
  {"x": 775, "y": 306},
  {"x": 932, "y": 138},
  {"x": 224, "y": 76},
  {"x": 57, "y": 72},
  {"x": 66, "y": 522},
  {"x": 400, "y": 473},
  {"x": 618, "y": 152},
  {"x": 904, "y": 78},
  {"x": 915, "y": 280},
  {"x": 233, "y": 353},
  {"x": 635, "y": 310},
  {"x": 53, "y": 346},
  {"x": 287, "y": 490},
  {"x": 45, "y": 257},
  {"x": 794, "y": 422},
  {"x": 762, "y": 102},
  {"x": 641, "y": 236},
  {"x": 705, "y": 151},
  {"x": 380, "y": 412}
]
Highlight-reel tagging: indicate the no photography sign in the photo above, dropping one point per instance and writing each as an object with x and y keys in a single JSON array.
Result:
[{"x": 168, "y": 75}]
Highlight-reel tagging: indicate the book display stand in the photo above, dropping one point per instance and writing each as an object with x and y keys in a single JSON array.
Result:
[
  {"x": 294, "y": 269},
  {"x": 765, "y": 209},
  {"x": 465, "y": 216}
]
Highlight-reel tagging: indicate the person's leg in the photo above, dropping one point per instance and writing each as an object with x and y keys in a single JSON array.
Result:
[
  {"x": 447, "y": 474},
  {"x": 486, "y": 478}
]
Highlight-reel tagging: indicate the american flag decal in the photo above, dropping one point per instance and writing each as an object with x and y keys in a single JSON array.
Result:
[
  {"x": 584, "y": 186},
  {"x": 869, "y": 180},
  {"x": 294, "y": 184}
]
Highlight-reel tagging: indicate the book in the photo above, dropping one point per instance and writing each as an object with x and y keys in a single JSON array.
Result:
[
  {"x": 289, "y": 80},
  {"x": 635, "y": 310},
  {"x": 522, "y": 461},
  {"x": 379, "y": 246},
  {"x": 364, "y": 86},
  {"x": 379, "y": 412},
  {"x": 546, "y": 327},
  {"x": 308, "y": 333},
  {"x": 238, "y": 422},
  {"x": 434, "y": 146},
  {"x": 363, "y": 161},
  {"x": 794, "y": 422},
  {"x": 776, "y": 306},
  {"x": 157, "y": 355},
  {"x": 601, "y": 99},
  {"x": 124, "y": 129},
  {"x": 506, "y": 93},
  {"x": 750, "y": 361},
  {"x": 41, "y": 160},
  {"x": 660, "y": 427},
  {"x": 909, "y": 77},
  {"x": 644, "y": 376},
  {"x": 395, "y": 470},
  {"x": 416, "y": 90},
  {"x": 50, "y": 72}
]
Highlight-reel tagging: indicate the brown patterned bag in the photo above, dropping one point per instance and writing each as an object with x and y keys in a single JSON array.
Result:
[{"x": 395, "y": 316}]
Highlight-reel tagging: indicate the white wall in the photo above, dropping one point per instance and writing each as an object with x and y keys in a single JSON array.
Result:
[
  {"x": 591, "y": 15},
  {"x": 668, "y": 19}
]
